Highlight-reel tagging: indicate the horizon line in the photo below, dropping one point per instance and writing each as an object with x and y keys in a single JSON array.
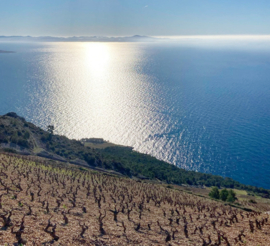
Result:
[
  {"x": 228, "y": 36},
  {"x": 205, "y": 36}
]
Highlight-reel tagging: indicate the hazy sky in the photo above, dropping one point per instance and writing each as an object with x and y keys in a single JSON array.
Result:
[{"x": 129, "y": 17}]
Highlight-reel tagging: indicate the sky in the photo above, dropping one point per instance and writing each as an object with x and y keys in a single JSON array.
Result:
[{"x": 130, "y": 17}]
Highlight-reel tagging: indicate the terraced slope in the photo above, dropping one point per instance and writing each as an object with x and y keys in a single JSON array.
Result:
[{"x": 45, "y": 203}]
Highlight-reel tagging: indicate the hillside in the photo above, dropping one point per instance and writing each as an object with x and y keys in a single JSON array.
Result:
[
  {"x": 22, "y": 137},
  {"x": 48, "y": 203}
]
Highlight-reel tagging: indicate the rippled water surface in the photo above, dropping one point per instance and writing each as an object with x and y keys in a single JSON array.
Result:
[{"x": 202, "y": 108}]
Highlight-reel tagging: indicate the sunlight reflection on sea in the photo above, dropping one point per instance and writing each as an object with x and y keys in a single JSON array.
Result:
[{"x": 201, "y": 108}]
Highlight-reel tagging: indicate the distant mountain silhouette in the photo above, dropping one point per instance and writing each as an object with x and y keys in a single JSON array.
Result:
[
  {"x": 135, "y": 38},
  {"x": 4, "y": 51}
]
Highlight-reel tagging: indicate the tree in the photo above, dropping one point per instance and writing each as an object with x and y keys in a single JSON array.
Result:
[
  {"x": 50, "y": 129},
  {"x": 231, "y": 196},
  {"x": 214, "y": 193},
  {"x": 224, "y": 195}
]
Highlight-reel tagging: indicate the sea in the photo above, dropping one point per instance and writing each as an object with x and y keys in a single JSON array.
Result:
[{"x": 202, "y": 104}]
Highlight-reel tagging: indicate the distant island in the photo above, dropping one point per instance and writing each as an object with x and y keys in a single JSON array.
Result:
[
  {"x": 135, "y": 38},
  {"x": 4, "y": 51}
]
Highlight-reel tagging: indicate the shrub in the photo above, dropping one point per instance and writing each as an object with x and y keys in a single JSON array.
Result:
[
  {"x": 214, "y": 193},
  {"x": 231, "y": 196},
  {"x": 26, "y": 135},
  {"x": 9, "y": 150},
  {"x": 3, "y": 139},
  {"x": 224, "y": 195},
  {"x": 23, "y": 142}
]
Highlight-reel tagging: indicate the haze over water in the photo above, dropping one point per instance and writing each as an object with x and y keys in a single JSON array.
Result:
[{"x": 200, "y": 104}]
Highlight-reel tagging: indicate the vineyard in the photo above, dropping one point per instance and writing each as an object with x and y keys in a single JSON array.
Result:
[{"x": 47, "y": 203}]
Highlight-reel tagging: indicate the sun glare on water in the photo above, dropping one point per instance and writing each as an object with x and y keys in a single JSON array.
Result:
[{"x": 97, "y": 57}]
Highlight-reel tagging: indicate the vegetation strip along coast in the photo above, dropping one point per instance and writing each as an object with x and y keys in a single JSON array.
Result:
[{"x": 19, "y": 136}]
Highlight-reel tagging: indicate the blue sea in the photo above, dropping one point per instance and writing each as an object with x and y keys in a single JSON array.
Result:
[{"x": 200, "y": 104}]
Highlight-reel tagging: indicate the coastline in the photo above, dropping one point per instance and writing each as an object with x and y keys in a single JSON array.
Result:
[{"x": 21, "y": 137}]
